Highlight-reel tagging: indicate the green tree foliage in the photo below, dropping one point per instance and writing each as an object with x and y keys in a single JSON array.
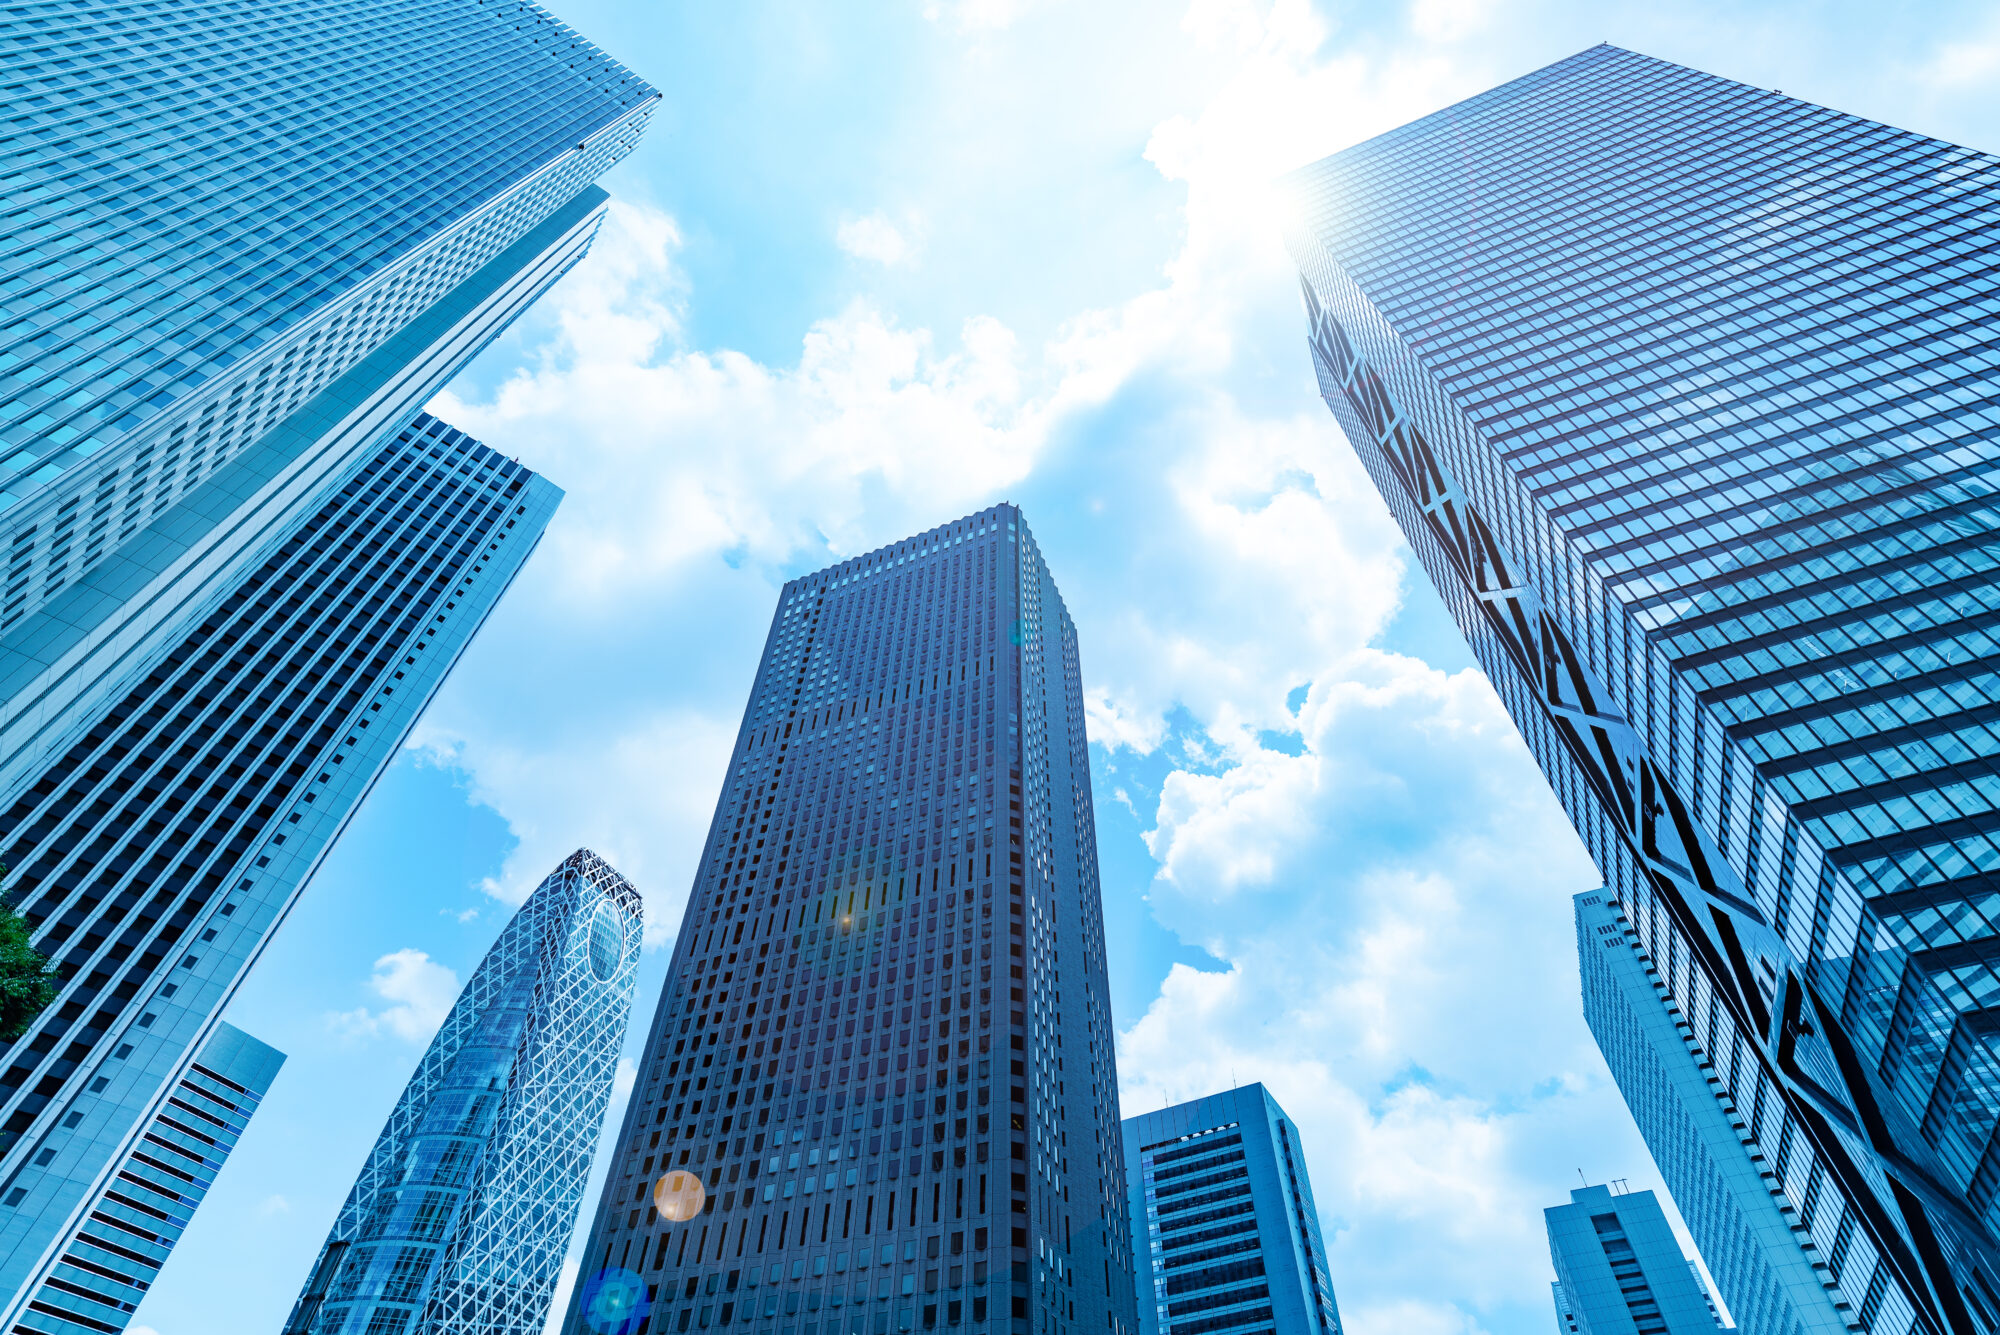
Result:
[{"x": 27, "y": 984}]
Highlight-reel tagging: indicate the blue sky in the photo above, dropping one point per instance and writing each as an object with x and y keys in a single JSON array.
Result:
[{"x": 876, "y": 266}]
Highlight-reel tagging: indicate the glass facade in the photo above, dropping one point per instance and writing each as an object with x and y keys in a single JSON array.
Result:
[
  {"x": 66, "y": 662},
  {"x": 1225, "y": 1234},
  {"x": 156, "y": 851},
  {"x": 1772, "y": 1276},
  {"x": 465, "y": 1206},
  {"x": 853, "y": 1113},
  {"x": 216, "y": 210},
  {"x": 1619, "y": 1270},
  {"x": 1683, "y": 394},
  {"x": 118, "y": 1250}
]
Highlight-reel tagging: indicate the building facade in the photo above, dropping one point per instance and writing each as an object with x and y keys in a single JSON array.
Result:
[
  {"x": 117, "y": 1251},
  {"x": 1680, "y": 391},
  {"x": 155, "y": 853},
  {"x": 238, "y": 253},
  {"x": 853, "y": 1115},
  {"x": 1619, "y": 1270},
  {"x": 462, "y": 1212},
  {"x": 1772, "y": 1274},
  {"x": 213, "y": 223},
  {"x": 1225, "y": 1235}
]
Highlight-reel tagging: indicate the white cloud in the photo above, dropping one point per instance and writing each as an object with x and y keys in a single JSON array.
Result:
[
  {"x": 671, "y": 455},
  {"x": 1393, "y": 906},
  {"x": 1966, "y": 62},
  {"x": 691, "y": 477},
  {"x": 274, "y": 1205},
  {"x": 1449, "y": 20},
  {"x": 875, "y": 238},
  {"x": 420, "y": 992}
]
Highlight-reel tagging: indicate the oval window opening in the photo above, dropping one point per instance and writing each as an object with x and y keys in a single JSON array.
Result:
[{"x": 607, "y": 941}]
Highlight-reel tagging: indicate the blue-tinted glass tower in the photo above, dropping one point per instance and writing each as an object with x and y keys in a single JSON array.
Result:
[
  {"x": 853, "y": 1115},
  {"x": 1225, "y": 1235},
  {"x": 117, "y": 1252},
  {"x": 1684, "y": 394},
  {"x": 1619, "y": 1269},
  {"x": 252, "y": 238},
  {"x": 1772, "y": 1275},
  {"x": 465, "y": 1206},
  {"x": 154, "y": 854},
  {"x": 240, "y": 246}
]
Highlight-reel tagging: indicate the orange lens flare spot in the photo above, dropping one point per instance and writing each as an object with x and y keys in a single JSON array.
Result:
[{"x": 678, "y": 1196}]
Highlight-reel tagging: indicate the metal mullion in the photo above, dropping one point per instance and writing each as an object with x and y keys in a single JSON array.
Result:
[
  {"x": 325, "y": 295},
  {"x": 304, "y": 578},
  {"x": 220, "y": 685},
  {"x": 96, "y": 960},
  {"x": 27, "y": 1137}
]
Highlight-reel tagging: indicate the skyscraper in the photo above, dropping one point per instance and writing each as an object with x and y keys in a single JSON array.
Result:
[
  {"x": 1681, "y": 391},
  {"x": 853, "y": 1114},
  {"x": 256, "y": 238},
  {"x": 117, "y": 1252},
  {"x": 1619, "y": 1270},
  {"x": 1225, "y": 1234},
  {"x": 154, "y": 854},
  {"x": 1771, "y": 1273},
  {"x": 241, "y": 245},
  {"x": 465, "y": 1206}
]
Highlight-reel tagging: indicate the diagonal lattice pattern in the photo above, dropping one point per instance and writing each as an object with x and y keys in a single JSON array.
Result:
[{"x": 462, "y": 1212}]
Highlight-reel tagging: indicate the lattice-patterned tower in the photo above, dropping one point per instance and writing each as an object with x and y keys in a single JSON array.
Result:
[
  {"x": 1686, "y": 396},
  {"x": 241, "y": 245},
  {"x": 464, "y": 1208},
  {"x": 160, "y": 847},
  {"x": 855, "y": 1111}
]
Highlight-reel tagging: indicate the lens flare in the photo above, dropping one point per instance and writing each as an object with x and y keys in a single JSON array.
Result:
[
  {"x": 678, "y": 1196},
  {"x": 615, "y": 1302}
]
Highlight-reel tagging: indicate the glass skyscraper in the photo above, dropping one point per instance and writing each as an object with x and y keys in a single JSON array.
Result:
[
  {"x": 1225, "y": 1233},
  {"x": 1619, "y": 1270},
  {"x": 1683, "y": 392},
  {"x": 117, "y": 1252},
  {"x": 156, "y": 851},
  {"x": 853, "y": 1114},
  {"x": 240, "y": 246},
  {"x": 462, "y": 1212},
  {"x": 216, "y": 217},
  {"x": 1772, "y": 1274}
]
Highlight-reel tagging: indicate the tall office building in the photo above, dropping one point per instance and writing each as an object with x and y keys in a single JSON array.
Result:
[
  {"x": 462, "y": 1212},
  {"x": 156, "y": 852},
  {"x": 116, "y": 1253},
  {"x": 853, "y": 1114},
  {"x": 241, "y": 245},
  {"x": 1683, "y": 393},
  {"x": 1225, "y": 1234},
  {"x": 253, "y": 241},
  {"x": 1619, "y": 1270},
  {"x": 1771, "y": 1272}
]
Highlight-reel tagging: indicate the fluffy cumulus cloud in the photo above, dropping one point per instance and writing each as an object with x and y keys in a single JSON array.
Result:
[
  {"x": 420, "y": 993},
  {"x": 692, "y": 477},
  {"x": 874, "y": 237},
  {"x": 1392, "y": 903}
]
